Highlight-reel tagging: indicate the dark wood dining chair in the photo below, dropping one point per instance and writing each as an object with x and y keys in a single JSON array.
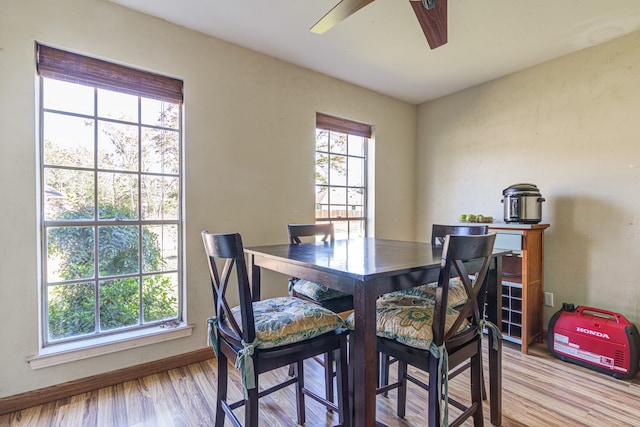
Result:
[
  {"x": 331, "y": 299},
  {"x": 436, "y": 338},
  {"x": 336, "y": 301},
  {"x": 253, "y": 336},
  {"x": 457, "y": 294}
]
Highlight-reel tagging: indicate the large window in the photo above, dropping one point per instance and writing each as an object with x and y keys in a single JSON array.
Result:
[
  {"x": 341, "y": 175},
  {"x": 110, "y": 188}
]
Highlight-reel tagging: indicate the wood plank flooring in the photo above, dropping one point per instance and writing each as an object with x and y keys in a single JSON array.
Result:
[{"x": 538, "y": 391}]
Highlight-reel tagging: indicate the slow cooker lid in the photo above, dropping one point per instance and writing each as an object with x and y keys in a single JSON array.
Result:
[{"x": 521, "y": 189}]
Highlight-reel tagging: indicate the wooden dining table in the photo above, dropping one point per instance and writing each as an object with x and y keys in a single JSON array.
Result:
[{"x": 367, "y": 268}]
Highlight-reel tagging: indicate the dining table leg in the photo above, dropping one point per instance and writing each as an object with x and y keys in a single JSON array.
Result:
[
  {"x": 365, "y": 358},
  {"x": 253, "y": 271}
]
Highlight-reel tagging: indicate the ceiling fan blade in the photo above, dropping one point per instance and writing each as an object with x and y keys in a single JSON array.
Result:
[
  {"x": 339, "y": 12},
  {"x": 433, "y": 22}
]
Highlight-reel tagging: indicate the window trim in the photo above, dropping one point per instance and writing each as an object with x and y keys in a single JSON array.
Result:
[{"x": 59, "y": 354}]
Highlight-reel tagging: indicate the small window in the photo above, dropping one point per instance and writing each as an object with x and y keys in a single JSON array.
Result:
[
  {"x": 110, "y": 187},
  {"x": 341, "y": 175}
]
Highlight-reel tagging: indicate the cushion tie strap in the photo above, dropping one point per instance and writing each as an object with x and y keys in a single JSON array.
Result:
[
  {"x": 497, "y": 335},
  {"x": 244, "y": 363},
  {"x": 212, "y": 336},
  {"x": 443, "y": 368}
]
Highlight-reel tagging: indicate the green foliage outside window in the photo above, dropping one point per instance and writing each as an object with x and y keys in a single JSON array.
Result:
[{"x": 72, "y": 306}]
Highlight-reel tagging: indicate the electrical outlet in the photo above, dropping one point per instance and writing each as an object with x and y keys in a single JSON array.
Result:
[{"x": 548, "y": 299}]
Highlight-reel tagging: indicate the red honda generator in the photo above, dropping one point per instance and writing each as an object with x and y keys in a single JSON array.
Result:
[{"x": 597, "y": 339}]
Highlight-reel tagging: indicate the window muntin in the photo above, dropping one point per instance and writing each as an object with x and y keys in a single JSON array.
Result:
[
  {"x": 111, "y": 210},
  {"x": 341, "y": 160}
]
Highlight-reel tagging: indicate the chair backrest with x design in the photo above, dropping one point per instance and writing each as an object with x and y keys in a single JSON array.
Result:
[
  {"x": 224, "y": 251},
  {"x": 458, "y": 250}
]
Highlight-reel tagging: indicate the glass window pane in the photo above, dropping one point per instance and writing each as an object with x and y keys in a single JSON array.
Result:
[
  {"x": 68, "y": 140},
  {"x": 70, "y": 253},
  {"x": 119, "y": 303},
  {"x": 356, "y": 145},
  {"x": 71, "y": 310},
  {"x": 117, "y": 105},
  {"x": 338, "y": 196},
  {"x": 338, "y": 142},
  {"x": 356, "y": 172},
  {"x": 68, "y": 194},
  {"x": 69, "y": 97},
  {"x": 159, "y": 248},
  {"x": 322, "y": 194},
  {"x": 160, "y": 113},
  {"x": 322, "y": 140},
  {"x": 322, "y": 210},
  {"x": 117, "y": 146},
  {"x": 341, "y": 230},
  {"x": 160, "y": 151},
  {"x": 356, "y": 196},
  {"x": 356, "y": 211},
  {"x": 117, "y": 195},
  {"x": 356, "y": 229},
  {"x": 322, "y": 168},
  {"x": 160, "y": 197},
  {"x": 338, "y": 211},
  {"x": 117, "y": 250},
  {"x": 160, "y": 297},
  {"x": 337, "y": 172}
]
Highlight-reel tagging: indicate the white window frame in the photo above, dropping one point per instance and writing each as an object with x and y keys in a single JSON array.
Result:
[
  {"x": 350, "y": 129},
  {"x": 57, "y": 351}
]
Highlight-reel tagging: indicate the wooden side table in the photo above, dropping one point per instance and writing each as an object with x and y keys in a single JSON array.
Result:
[{"x": 522, "y": 281}]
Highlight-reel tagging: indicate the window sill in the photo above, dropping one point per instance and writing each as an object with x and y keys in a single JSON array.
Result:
[{"x": 71, "y": 352}]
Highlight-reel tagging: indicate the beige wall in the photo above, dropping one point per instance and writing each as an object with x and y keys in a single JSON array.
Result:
[
  {"x": 572, "y": 127},
  {"x": 249, "y": 138}
]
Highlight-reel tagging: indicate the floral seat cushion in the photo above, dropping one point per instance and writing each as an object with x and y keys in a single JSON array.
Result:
[
  {"x": 313, "y": 290},
  {"x": 408, "y": 319},
  {"x": 286, "y": 320},
  {"x": 457, "y": 295}
]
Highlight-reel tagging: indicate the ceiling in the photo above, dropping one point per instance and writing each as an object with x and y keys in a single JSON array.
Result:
[{"x": 381, "y": 47}]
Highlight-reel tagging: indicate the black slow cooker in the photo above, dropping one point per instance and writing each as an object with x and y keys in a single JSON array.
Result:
[{"x": 522, "y": 204}]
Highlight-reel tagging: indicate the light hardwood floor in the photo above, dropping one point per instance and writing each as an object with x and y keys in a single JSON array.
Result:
[{"x": 539, "y": 390}]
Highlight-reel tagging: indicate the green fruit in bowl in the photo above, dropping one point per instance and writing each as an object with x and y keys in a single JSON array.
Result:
[
  {"x": 462, "y": 218},
  {"x": 471, "y": 218}
]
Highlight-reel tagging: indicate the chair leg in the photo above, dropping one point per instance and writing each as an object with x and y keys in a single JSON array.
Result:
[
  {"x": 384, "y": 372},
  {"x": 299, "y": 392},
  {"x": 401, "y": 404},
  {"x": 484, "y": 387},
  {"x": 477, "y": 386},
  {"x": 221, "y": 394},
  {"x": 328, "y": 376},
  {"x": 435, "y": 394},
  {"x": 251, "y": 406}
]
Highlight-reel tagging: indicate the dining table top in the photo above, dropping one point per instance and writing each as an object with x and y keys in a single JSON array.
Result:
[{"x": 365, "y": 258}]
